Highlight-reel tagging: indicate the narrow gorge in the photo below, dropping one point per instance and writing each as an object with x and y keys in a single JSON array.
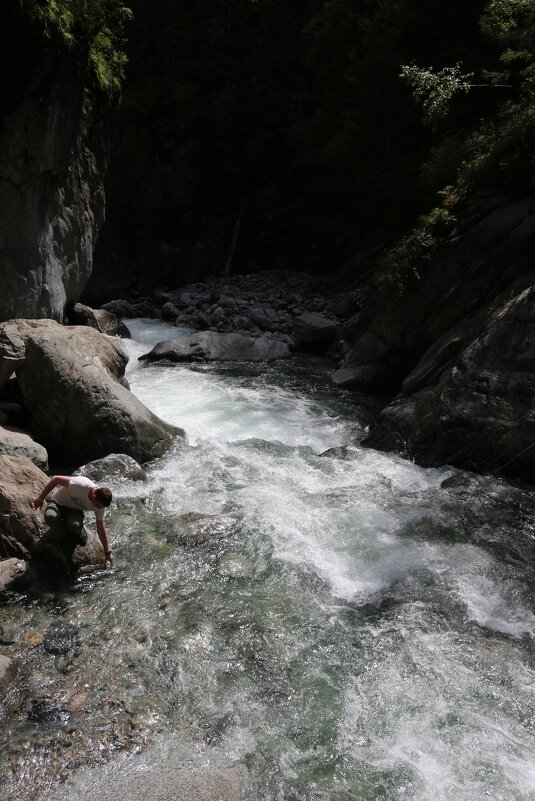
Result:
[{"x": 268, "y": 274}]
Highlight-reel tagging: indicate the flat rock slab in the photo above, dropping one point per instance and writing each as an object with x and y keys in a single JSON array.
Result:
[{"x": 213, "y": 346}]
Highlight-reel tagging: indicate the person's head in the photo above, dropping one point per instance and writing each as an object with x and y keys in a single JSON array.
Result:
[{"x": 101, "y": 497}]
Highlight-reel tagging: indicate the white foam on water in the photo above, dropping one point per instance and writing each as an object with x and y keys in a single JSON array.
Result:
[{"x": 428, "y": 694}]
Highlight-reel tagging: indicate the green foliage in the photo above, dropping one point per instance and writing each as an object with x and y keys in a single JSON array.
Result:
[
  {"x": 98, "y": 25},
  {"x": 434, "y": 90},
  {"x": 407, "y": 261},
  {"x": 494, "y": 149}
]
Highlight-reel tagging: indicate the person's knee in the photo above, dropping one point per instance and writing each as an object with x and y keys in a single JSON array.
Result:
[{"x": 74, "y": 525}]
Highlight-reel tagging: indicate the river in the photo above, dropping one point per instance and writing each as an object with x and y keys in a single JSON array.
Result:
[{"x": 354, "y": 627}]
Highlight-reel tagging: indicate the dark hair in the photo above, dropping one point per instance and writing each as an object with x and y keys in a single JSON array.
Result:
[{"x": 103, "y": 496}]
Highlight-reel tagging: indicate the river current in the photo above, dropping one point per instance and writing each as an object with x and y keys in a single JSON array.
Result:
[{"x": 353, "y": 627}]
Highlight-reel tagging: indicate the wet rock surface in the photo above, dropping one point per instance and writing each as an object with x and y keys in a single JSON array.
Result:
[
  {"x": 193, "y": 528},
  {"x": 104, "y": 321},
  {"x": 12, "y": 573},
  {"x": 61, "y": 638},
  {"x": 213, "y": 346},
  {"x": 113, "y": 466}
]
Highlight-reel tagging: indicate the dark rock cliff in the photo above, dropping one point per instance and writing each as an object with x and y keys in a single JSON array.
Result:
[
  {"x": 53, "y": 154},
  {"x": 459, "y": 344}
]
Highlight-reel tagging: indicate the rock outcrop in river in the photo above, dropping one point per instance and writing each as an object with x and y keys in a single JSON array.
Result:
[
  {"x": 69, "y": 382},
  {"x": 460, "y": 341}
]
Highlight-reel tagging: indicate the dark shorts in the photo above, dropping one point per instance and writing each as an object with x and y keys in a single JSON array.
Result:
[{"x": 72, "y": 519}]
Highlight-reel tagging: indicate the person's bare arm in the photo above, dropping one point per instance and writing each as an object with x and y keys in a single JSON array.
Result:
[
  {"x": 54, "y": 482},
  {"x": 101, "y": 531}
]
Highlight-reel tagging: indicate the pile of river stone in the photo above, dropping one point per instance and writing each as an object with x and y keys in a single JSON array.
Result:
[{"x": 291, "y": 308}]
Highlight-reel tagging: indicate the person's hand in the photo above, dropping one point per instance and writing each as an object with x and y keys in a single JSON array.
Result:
[
  {"x": 109, "y": 558},
  {"x": 38, "y": 503}
]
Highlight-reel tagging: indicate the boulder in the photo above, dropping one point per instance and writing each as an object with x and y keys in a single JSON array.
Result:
[
  {"x": 113, "y": 466},
  {"x": 16, "y": 442},
  {"x": 104, "y": 321},
  {"x": 62, "y": 554},
  {"x": 11, "y": 350},
  {"x": 169, "y": 311},
  {"x": 13, "y": 413},
  {"x": 12, "y": 573},
  {"x": 21, "y": 526},
  {"x": 471, "y": 400},
  {"x": 76, "y": 407},
  {"x": 213, "y": 346},
  {"x": 123, "y": 308},
  {"x": 369, "y": 377},
  {"x": 87, "y": 343},
  {"x": 315, "y": 328}
]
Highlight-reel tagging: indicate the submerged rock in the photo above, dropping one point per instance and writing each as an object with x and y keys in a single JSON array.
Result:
[
  {"x": 194, "y": 528},
  {"x": 61, "y": 638},
  {"x": 171, "y": 782},
  {"x": 115, "y": 465},
  {"x": 213, "y": 346}
]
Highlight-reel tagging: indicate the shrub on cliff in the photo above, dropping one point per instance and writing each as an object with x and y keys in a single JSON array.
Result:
[{"x": 98, "y": 25}]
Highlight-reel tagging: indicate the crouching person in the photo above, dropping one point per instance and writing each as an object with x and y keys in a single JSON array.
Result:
[{"x": 69, "y": 497}]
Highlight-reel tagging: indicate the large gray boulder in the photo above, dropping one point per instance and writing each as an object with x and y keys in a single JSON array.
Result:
[
  {"x": 75, "y": 405},
  {"x": 16, "y": 442},
  {"x": 471, "y": 399},
  {"x": 213, "y": 346},
  {"x": 21, "y": 526},
  {"x": 315, "y": 328},
  {"x": 104, "y": 321},
  {"x": 88, "y": 343}
]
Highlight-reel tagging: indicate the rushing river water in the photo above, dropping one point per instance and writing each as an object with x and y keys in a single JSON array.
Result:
[{"x": 350, "y": 628}]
